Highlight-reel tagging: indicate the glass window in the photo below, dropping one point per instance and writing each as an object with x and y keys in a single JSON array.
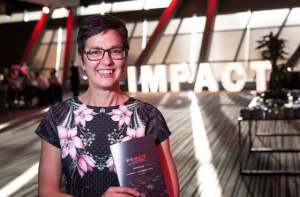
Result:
[
  {"x": 160, "y": 50},
  {"x": 224, "y": 45},
  {"x": 268, "y": 18},
  {"x": 135, "y": 50},
  {"x": 15, "y": 17},
  {"x": 254, "y": 36},
  {"x": 60, "y": 13},
  {"x": 251, "y": 74},
  {"x": 172, "y": 27},
  {"x": 297, "y": 66},
  {"x": 292, "y": 37},
  {"x": 294, "y": 17},
  {"x": 51, "y": 59},
  {"x": 217, "y": 69},
  {"x": 77, "y": 61},
  {"x": 181, "y": 49},
  {"x": 153, "y": 4},
  {"x": 64, "y": 35},
  {"x": 47, "y": 36},
  {"x": 62, "y": 56},
  {"x": 232, "y": 21},
  {"x": 138, "y": 31},
  {"x": 151, "y": 25},
  {"x": 187, "y": 24},
  {"x": 129, "y": 27},
  {"x": 127, "y": 6},
  {"x": 94, "y": 9},
  {"x": 39, "y": 57},
  {"x": 34, "y": 16}
]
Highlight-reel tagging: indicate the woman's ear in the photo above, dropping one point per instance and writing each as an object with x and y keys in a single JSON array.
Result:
[{"x": 80, "y": 57}]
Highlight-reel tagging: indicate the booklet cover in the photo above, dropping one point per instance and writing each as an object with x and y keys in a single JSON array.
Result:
[{"x": 138, "y": 166}]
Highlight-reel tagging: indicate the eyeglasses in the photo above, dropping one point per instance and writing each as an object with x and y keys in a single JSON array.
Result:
[{"x": 98, "y": 54}]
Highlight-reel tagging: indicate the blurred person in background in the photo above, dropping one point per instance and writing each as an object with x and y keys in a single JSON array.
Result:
[
  {"x": 28, "y": 89},
  {"x": 27, "y": 81},
  {"x": 4, "y": 81},
  {"x": 55, "y": 88},
  {"x": 14, "y": 86},
  {"x": 3, "y": 91},
  {"x": 42, "y": 88},
  {"x": 74, "y": 79}
]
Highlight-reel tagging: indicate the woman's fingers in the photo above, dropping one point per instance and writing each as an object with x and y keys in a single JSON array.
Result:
[{"x": 120, "y": 191}]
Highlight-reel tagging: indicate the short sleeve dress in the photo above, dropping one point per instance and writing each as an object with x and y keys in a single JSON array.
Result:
[{"x": 84, "y": 134}]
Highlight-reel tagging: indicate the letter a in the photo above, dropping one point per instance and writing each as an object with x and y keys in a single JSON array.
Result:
[{"x": 206, "y": 78}]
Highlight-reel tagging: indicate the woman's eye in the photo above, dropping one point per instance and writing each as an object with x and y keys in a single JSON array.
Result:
[
  {"x": 96, "y": 52},
  {"x": 115, "y": 51}
]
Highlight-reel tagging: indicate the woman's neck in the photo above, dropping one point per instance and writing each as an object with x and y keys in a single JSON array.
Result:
[{"x": 103, "y": 98}]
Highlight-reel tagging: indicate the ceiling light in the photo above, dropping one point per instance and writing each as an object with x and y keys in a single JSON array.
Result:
[{"x": 46, "y": 10}]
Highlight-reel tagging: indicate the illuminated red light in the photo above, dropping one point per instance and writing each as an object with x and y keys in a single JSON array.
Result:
[
  {"x": 23, "y": 69},
  {"x": 46, "y": 10}
]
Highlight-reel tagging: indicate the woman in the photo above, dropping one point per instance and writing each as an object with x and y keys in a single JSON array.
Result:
[{"x": 76, "y": 134}]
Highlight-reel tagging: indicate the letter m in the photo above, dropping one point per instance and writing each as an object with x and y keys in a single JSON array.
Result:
[{"x": 158, "y": 79}]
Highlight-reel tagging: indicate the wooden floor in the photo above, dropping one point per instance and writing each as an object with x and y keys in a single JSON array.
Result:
[{"x": 204, "y": 145}]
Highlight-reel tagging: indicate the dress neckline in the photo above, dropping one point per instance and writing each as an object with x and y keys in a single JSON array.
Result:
[{"x": 91, "y": 106}]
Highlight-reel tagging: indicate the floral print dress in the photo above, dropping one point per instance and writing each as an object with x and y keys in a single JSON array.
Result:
[{"x": 84, "y": 134}]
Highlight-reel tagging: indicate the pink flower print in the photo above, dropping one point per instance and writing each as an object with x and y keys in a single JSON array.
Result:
[
  {"x": 82, "y": 115},
  {"x": 69, "y": 141},
  {"x": 110, "y": 164},
  {"x": 85, "y": 163},
  {"x": 122, "y": 115},
  {"x": 139, "y": 132}
]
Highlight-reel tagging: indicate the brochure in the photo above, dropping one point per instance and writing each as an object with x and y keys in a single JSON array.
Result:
[{"x": 138, "y": 166}]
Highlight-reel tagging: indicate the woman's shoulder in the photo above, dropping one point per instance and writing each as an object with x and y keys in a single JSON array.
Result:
[
  {"x": 143, "y": 106},
  {"x": 64, "y": 106}
]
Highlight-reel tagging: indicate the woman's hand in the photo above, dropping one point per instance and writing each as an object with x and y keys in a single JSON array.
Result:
[{"x": 120, "y": 191}]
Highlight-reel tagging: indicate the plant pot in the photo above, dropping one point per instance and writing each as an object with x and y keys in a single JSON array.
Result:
[
  {"x": 273, "y": 114},
  {"x": 245, "y": 113},
  {"x": 288, "y": 112},
  {"x": 257, "y": 113}
]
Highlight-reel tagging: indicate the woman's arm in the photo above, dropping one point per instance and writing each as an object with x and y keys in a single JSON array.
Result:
[
  {"x": 169, "y": 168},
  {"x": 50, "y": 171}
]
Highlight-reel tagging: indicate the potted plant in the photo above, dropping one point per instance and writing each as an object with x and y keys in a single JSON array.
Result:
[{"x": 272, "y": 48}]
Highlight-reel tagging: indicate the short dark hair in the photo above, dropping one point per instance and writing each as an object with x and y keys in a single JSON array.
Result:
[{"x": 96, "y": 24}]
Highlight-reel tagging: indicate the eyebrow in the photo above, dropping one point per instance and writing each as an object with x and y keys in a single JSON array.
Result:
[{"x": 114, "y": 46}]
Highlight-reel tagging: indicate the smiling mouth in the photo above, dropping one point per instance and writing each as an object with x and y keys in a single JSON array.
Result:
[{"x": 105, "y": 72}]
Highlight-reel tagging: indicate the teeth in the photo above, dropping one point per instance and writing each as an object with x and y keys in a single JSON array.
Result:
[{"x": 105, "y": 71}]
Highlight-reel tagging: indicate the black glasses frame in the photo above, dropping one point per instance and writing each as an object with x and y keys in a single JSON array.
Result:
[{"x": 87, "y": 52}]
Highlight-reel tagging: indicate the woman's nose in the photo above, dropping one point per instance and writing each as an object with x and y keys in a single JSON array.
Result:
[{"x": 106, "y": 60}]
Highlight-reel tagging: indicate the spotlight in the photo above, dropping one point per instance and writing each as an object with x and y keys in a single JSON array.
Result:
[
  {"x": 69, "y": 10},
  {"x": 46, "y": 10},
  {"x": 7, "y": 16}
]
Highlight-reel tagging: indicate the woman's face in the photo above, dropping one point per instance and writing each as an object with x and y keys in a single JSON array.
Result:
[{"x": 106, "y": 73}]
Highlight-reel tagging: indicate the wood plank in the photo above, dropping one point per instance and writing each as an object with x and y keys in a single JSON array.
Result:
[{"x": 20, "y": 147}]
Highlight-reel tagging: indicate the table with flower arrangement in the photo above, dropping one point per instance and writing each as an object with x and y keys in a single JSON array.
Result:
[{"x": 282, "y": 116}]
